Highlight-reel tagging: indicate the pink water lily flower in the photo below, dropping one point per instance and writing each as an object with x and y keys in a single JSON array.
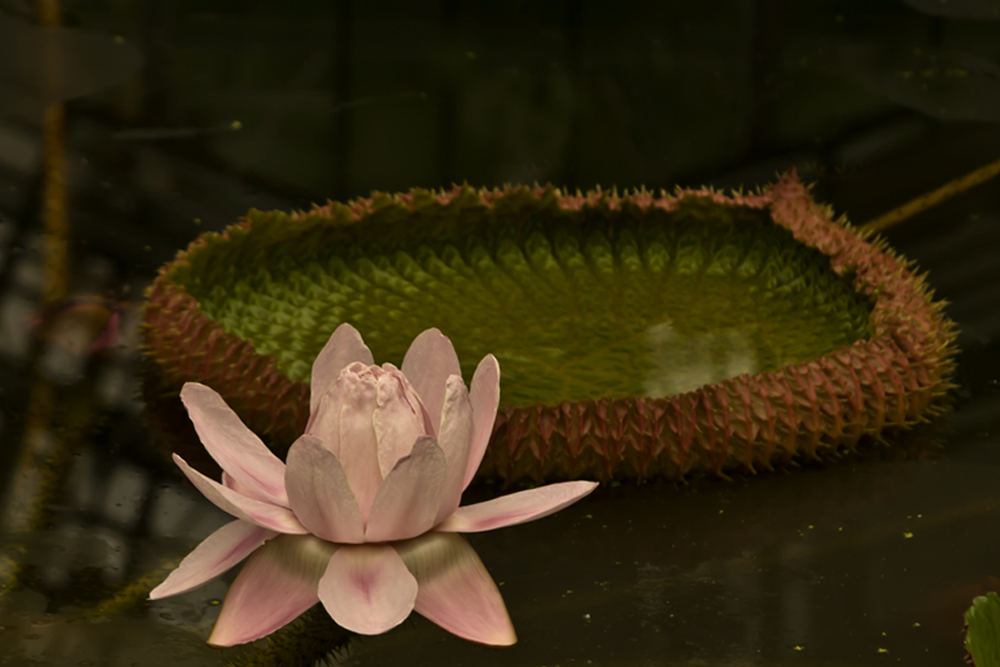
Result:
[{"x": 364, "y": 516}]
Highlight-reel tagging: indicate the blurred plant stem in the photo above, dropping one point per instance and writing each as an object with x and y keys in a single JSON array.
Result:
[
  {"x": 933, "y": 198},
  {"x": 42, "y": 457},
  {"x": 54, "y": 214}
]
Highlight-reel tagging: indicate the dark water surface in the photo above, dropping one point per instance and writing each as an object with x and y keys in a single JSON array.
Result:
[{"x": 276, "y": 105}]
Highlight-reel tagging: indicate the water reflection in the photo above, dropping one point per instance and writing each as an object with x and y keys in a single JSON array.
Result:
[
  {"x": 682, "y": 362},
  {"x": 33, "y": 635},
  {"x": 814, "y": 566},
  {"x": 74, "y": 589}
]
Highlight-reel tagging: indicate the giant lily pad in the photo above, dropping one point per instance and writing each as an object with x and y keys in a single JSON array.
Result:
[{"x": 638, "y": 334}]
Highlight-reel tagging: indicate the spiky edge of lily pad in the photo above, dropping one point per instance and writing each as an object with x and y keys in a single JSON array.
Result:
[{"x": 749, "y": 422}]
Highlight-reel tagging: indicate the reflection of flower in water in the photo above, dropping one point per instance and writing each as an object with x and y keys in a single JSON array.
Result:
[
  {"x": 684, "y": 362},
  {"x": 364, "y": 516}
]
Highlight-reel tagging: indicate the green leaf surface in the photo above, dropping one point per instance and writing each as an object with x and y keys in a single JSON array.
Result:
[
  {"x": 982, "y": 636},
  {"x": 572, "y": 308}
]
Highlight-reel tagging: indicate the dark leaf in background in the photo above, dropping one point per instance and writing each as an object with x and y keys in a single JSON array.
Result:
[
  {"x": 944, "y": 84},
  {"x": 40, "y": 65},
  {"x": 983, "y": 10}
]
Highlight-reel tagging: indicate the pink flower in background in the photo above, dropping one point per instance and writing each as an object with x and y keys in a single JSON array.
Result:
[{"x": 365, "y": 514}]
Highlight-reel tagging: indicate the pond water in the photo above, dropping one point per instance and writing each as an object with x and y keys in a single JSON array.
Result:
[{"x": 178, "y": 117}]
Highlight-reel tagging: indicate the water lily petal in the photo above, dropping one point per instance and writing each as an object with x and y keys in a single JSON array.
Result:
[
  {"x": 234, "y": 447},
  {"x": 324, "y": 422},
  {"x": 344, "y": 347},
  {"x": 516, "y": 508},
  {"x": 455, "y": 438},
  {"x": 484, "y": 393},
  {"x": 398, "y": 419},
  {"x": 358, "y": 443},
  {"x": 266, "y": 515},
  {"x": 249, "y": 492},
  {"x": 406, "y": 504},
  {"x": 367, "y": 588},
  {"x": 319, "y": 493},
  {"x": 428, "y": 364},
  {"x": 278, "y": 582},
  {"x": 217, "y": 553},
  {"x": 455, "y": 590}
]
